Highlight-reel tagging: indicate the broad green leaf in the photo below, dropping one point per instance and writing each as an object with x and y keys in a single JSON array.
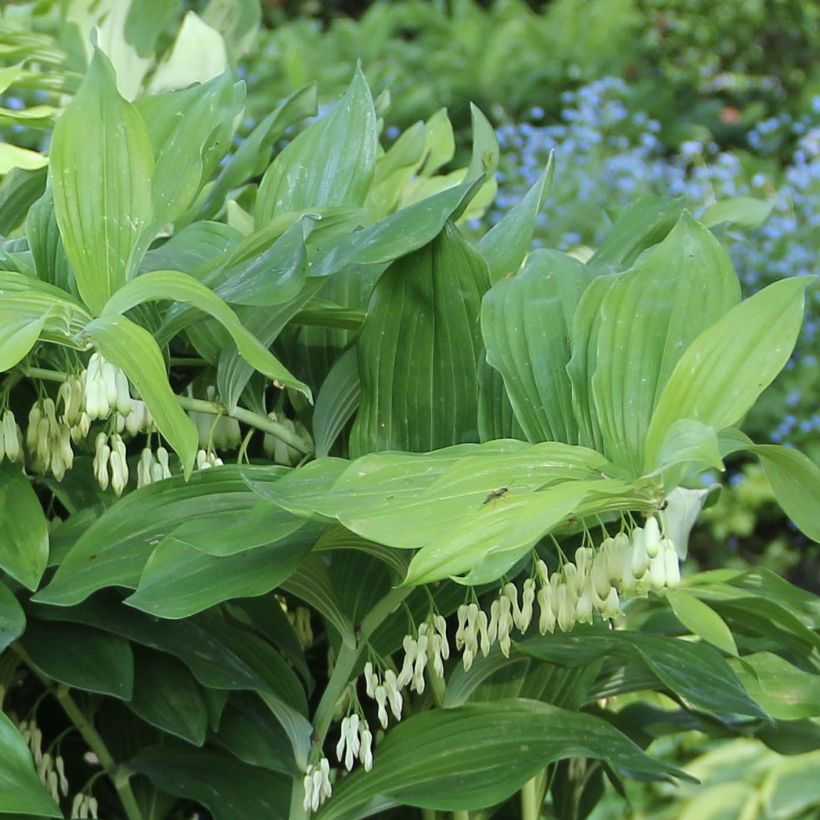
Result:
[
  {"x": 179, "y": 580},
  {"x": 397, "y": 235},
  {"x": 176, "y": 286},
  {"x": 229, "y": 789},
  {"x": 272, "y": 277},
  {"x": 190, "y": 132},
  {"x": 496, "y": 417},
  {"x": 525, "y": 322},
  {"x": 439, "y": 141},
  {"x": 690, "y": 441},
  {"x": 336, "y": 402},
  {"x": 265, "y": 323},
  {"x": 312, "y": 583},
  {"x": 13, "y": 157},
  {"x": 345, "y": 140},
  {"x": 17, "y": 338},
  {"x": 795, "y": 480},
  {"x": 248, "y": 733},
  {"x": 648, "y": 318},
  {"x": 477, "y": 755},
  {"x": 743, "y": 211},
  {"x": 252, "y": 155},
  {"x": 167, "y": 696},
  {"x": 222, "y": 656},
  {"x": 783, "y": 690},
  {"x": 114, "y": 549},
  {"x": 19, "y": 190},
  {"x": 723, "y": 371},
  {"x": 419, "y": 350},
  {"x": 379, "y": 495},
  {"x": 46, "y": 245},
  {"x": 21, "y": 792},
  {"x": 198, "y": 55},
  {"x": 642, "y": 224},
  {"x": 394, "y": 171},
  {"x": 582, "y": 363},
  {"x": 792, "y": 789},
  {"x": 23, "y": 530},
  {"x": 133, "y": 349},
  {"x": 701, "y": 620},
  {"x": 196, "y": 249},
  {"x": 237, "y": 20},
  {"x": 695, "y": 673},
  {"x": 12, "y": 618},
  {"x": 484, "y": 157},
  {"x": 101, "y": 168},
  {"x": 80, "y": 657},
  {"x": 222, "y": 533},
  {"x": 506, "y": 244}
]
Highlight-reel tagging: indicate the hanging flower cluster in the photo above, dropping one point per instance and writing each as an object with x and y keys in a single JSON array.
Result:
[
  {"x": 215, "y": 432},
  {"x": 355, "y": 741},
  {"x": 152, "y": 466},
  {"x": 626, "y": 565},
  {"x": 50, "y": 768},
  {"x": 317, "y": 785}
]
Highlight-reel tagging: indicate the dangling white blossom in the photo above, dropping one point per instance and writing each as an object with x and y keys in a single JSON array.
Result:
[
  {"x": 316, "y": 785},
  {"x": 349, "y": 741},
  {"x": 205, "y": 459},
  {"x": 10, "y": 439},
  {"x": 102, "y": 455},
  {"x": 118, "y": 465}
]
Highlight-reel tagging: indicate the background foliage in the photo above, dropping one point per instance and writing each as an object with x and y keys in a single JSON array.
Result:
[{"x": 234, "y": 331}]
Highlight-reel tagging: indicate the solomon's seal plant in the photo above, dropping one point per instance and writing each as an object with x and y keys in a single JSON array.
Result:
[{"x": 312, "y": 505}]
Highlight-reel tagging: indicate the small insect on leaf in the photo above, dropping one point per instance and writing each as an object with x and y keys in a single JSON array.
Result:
[{"x": 499, "y": 493}]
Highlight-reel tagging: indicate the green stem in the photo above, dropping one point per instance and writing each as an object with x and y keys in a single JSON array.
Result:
[
  {"x": 348, "y": 656},
  {"x": 461, "y": 815},
  {"x": 118, "y": 776},
  {"x": 248, "y": 417},
  {"x": 530, "y": 809},
  {"x": 428, "y": 814}
]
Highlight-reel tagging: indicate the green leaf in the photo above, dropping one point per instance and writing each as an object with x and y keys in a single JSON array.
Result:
[
  {"x": 12, "y": 618},
  {"x": 689, "y": 441},
  {"x": 229, "y": 789},
  {"x": 248, "y": 733},
  {"x": 700, "y": 619},
  {"x": 21, "y": 791},
  {"x": 641, "y": 225},
  {"x": 176, "y": 286},
  {"x": 101, "y": 168},
  {"x": 114, "y": 549},
  {"x": 167, "y": 696},
  {"x": 346, "y": 140},
  {"x": 313, "y": 584},
  {"x": 397, "y": 235},
  {"x": 190, "y": 131},
  {"x": 336, "y": 402},
  {"x": 18, "y": 338},
  {"x": 795, "y": 480},
  {"x": 525, "y": 322},
  {"x": 81, "y": 657},
  {"x": 496, "y": 417},
  {"x": 477, "y": 755},
  {"x": 221, "y": 655},
  {"x": 419, "y": 350},
  {"x": 252, "y": 155},
  {"x": 743, "y": 211},
  {"x": 783, "y": 690},
  {"x": 506, "y": 244},
  {"x": 179, "y": 580},
  {"x": 46, "y": 245},
  {"x": 133, "y": 349},
  {"x": 23, "y": 530},
  {"x": 198, "y": 54},
  {"x": 485, "y": 153},
  {"x": 723, "y": 371},
  {"x": 648, "y": 318},
  {"x": 695, "y": 673}
]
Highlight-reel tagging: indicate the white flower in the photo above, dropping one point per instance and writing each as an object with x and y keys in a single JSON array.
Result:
[
  {"x": 316, "y": 784},
  {"x": 366, "y": 747},
  {"x": 652, "y": 536}
]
